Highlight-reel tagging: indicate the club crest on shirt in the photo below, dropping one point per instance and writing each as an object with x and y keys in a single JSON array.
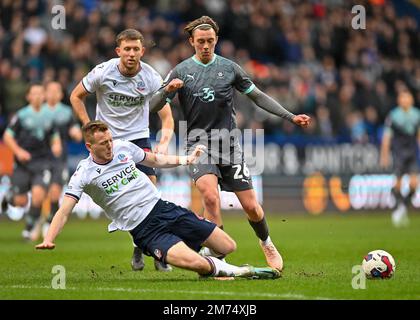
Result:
[
  {"x": 140, "y": 86},
  {"x": 122, "y": 157}
]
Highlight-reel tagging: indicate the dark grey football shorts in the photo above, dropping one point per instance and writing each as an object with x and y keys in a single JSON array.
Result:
[
  {"x": 231, "y": 170},
  {"x": 405, "y": 163},
  {"x": 166, "y": 225},
  {"x": 59, "y": 171},
  {"x": 27, "y": 175}
]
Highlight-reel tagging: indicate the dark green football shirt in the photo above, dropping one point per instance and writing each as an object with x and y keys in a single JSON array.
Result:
[
  {"x": 404, "y": 127},
  {"x": 62, "y": 116},
  {"x": 207, "y": 97},
  {"x": 33, "y": 131}
]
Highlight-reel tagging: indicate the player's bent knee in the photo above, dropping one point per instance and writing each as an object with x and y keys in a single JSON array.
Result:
[
  {"x": 230, "y": 246},
  {"x": 211, "y": 199},
  {"x": 252, "y": 208}
]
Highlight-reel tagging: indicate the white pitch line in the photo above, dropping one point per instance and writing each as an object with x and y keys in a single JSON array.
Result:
[{"x": 224, "y": 293}]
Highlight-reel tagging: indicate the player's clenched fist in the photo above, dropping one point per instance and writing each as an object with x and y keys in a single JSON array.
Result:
[
  {"x": 302, "y": 120},
  {"x": 174, "y": 85},
  {"x": 198, "y": 151}
]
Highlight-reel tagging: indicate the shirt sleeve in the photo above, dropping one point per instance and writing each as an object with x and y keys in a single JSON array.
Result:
[
  {"x": 157, "y": 82},
  {"x": 388, "y": 126},
  {"x": 92, "y": 81},
  {"x": 137, "y": 153},
  {"x": 76, "y": 184},
  {"x": 14, "y": 126},
  {"x": 242, "y": 82},
  {"x": 171, "y": 75}
]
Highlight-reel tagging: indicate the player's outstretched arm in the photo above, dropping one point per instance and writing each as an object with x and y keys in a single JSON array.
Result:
[
  {"x": 156, "y": 160},
  {"x": 267, "y": 103},
  {"x": 57, "y": 223},
  {"x": 76, "y": 98},
  {"x": 158, "y": 100}
]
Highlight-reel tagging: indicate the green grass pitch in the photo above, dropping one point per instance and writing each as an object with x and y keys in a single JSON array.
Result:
[{"x": 319, "y": 253}]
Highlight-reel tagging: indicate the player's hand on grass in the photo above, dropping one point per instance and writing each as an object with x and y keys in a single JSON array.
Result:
[
  {"x": 46, "y": 245},
  {"x": 198, "y": 151},
  {"x": 174, "y": 85},
  {"x": 23, "y": 156},
  {"x": 302, "y": 120}
]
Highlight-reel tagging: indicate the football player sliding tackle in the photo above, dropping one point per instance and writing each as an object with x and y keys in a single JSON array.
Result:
[{"x": 169, "y": 233}]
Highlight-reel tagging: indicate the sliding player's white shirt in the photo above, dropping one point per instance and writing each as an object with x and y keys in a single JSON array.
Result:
[
  {"x": 123, "y": 102},
  {"x": 124, "y": 192}
]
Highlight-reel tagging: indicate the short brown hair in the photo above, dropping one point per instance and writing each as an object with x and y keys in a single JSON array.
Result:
[
  {"x": 203, "y": 23},
  {"x": 129, "y": 34},
  {"x": 91, "y": 127}
]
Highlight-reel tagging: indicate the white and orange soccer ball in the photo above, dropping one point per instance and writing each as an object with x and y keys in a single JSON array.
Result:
[{"x": 378, "y": 264}]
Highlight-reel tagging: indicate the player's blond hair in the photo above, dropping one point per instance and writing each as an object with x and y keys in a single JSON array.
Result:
[
  {"x": 202, "y": 23},
  {"x": 91, "y": 127}
]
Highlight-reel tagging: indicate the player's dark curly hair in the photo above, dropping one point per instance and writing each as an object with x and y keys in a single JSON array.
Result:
[{"x": 202, "y": 23}]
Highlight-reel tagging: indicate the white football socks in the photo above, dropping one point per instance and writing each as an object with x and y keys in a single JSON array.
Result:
[
  {"x": 223, "y": 269},
  {"x": 267, "y": 241},
  {"x": 205, "y": 252}
]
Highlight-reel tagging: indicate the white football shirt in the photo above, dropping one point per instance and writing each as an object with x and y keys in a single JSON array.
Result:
[
  {"x": 123, "y": 102},
  {"x": 124, "y": 192}
]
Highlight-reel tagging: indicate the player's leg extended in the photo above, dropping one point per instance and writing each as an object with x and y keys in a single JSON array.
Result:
[
  {"x": 207, "y": 185},
  {"x": 413, "y": 184},
  {"x": 400, "y": 212},
  {"x": 182, "y": 256},
  {"x": 20, "y": 181},
  {"x": 257, "y": 220},
  {"x": 38, "y": 195},
  {"x": 159, "y": 265},
  {"x": 413, "y": 188},
  {"x": 220, "y": 242},
  {"x": 137, "y": 259},
  {"x": 399, "y": 170}
]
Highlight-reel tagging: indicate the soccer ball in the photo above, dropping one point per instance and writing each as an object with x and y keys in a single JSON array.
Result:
[{"x": 378, "y": 264}]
